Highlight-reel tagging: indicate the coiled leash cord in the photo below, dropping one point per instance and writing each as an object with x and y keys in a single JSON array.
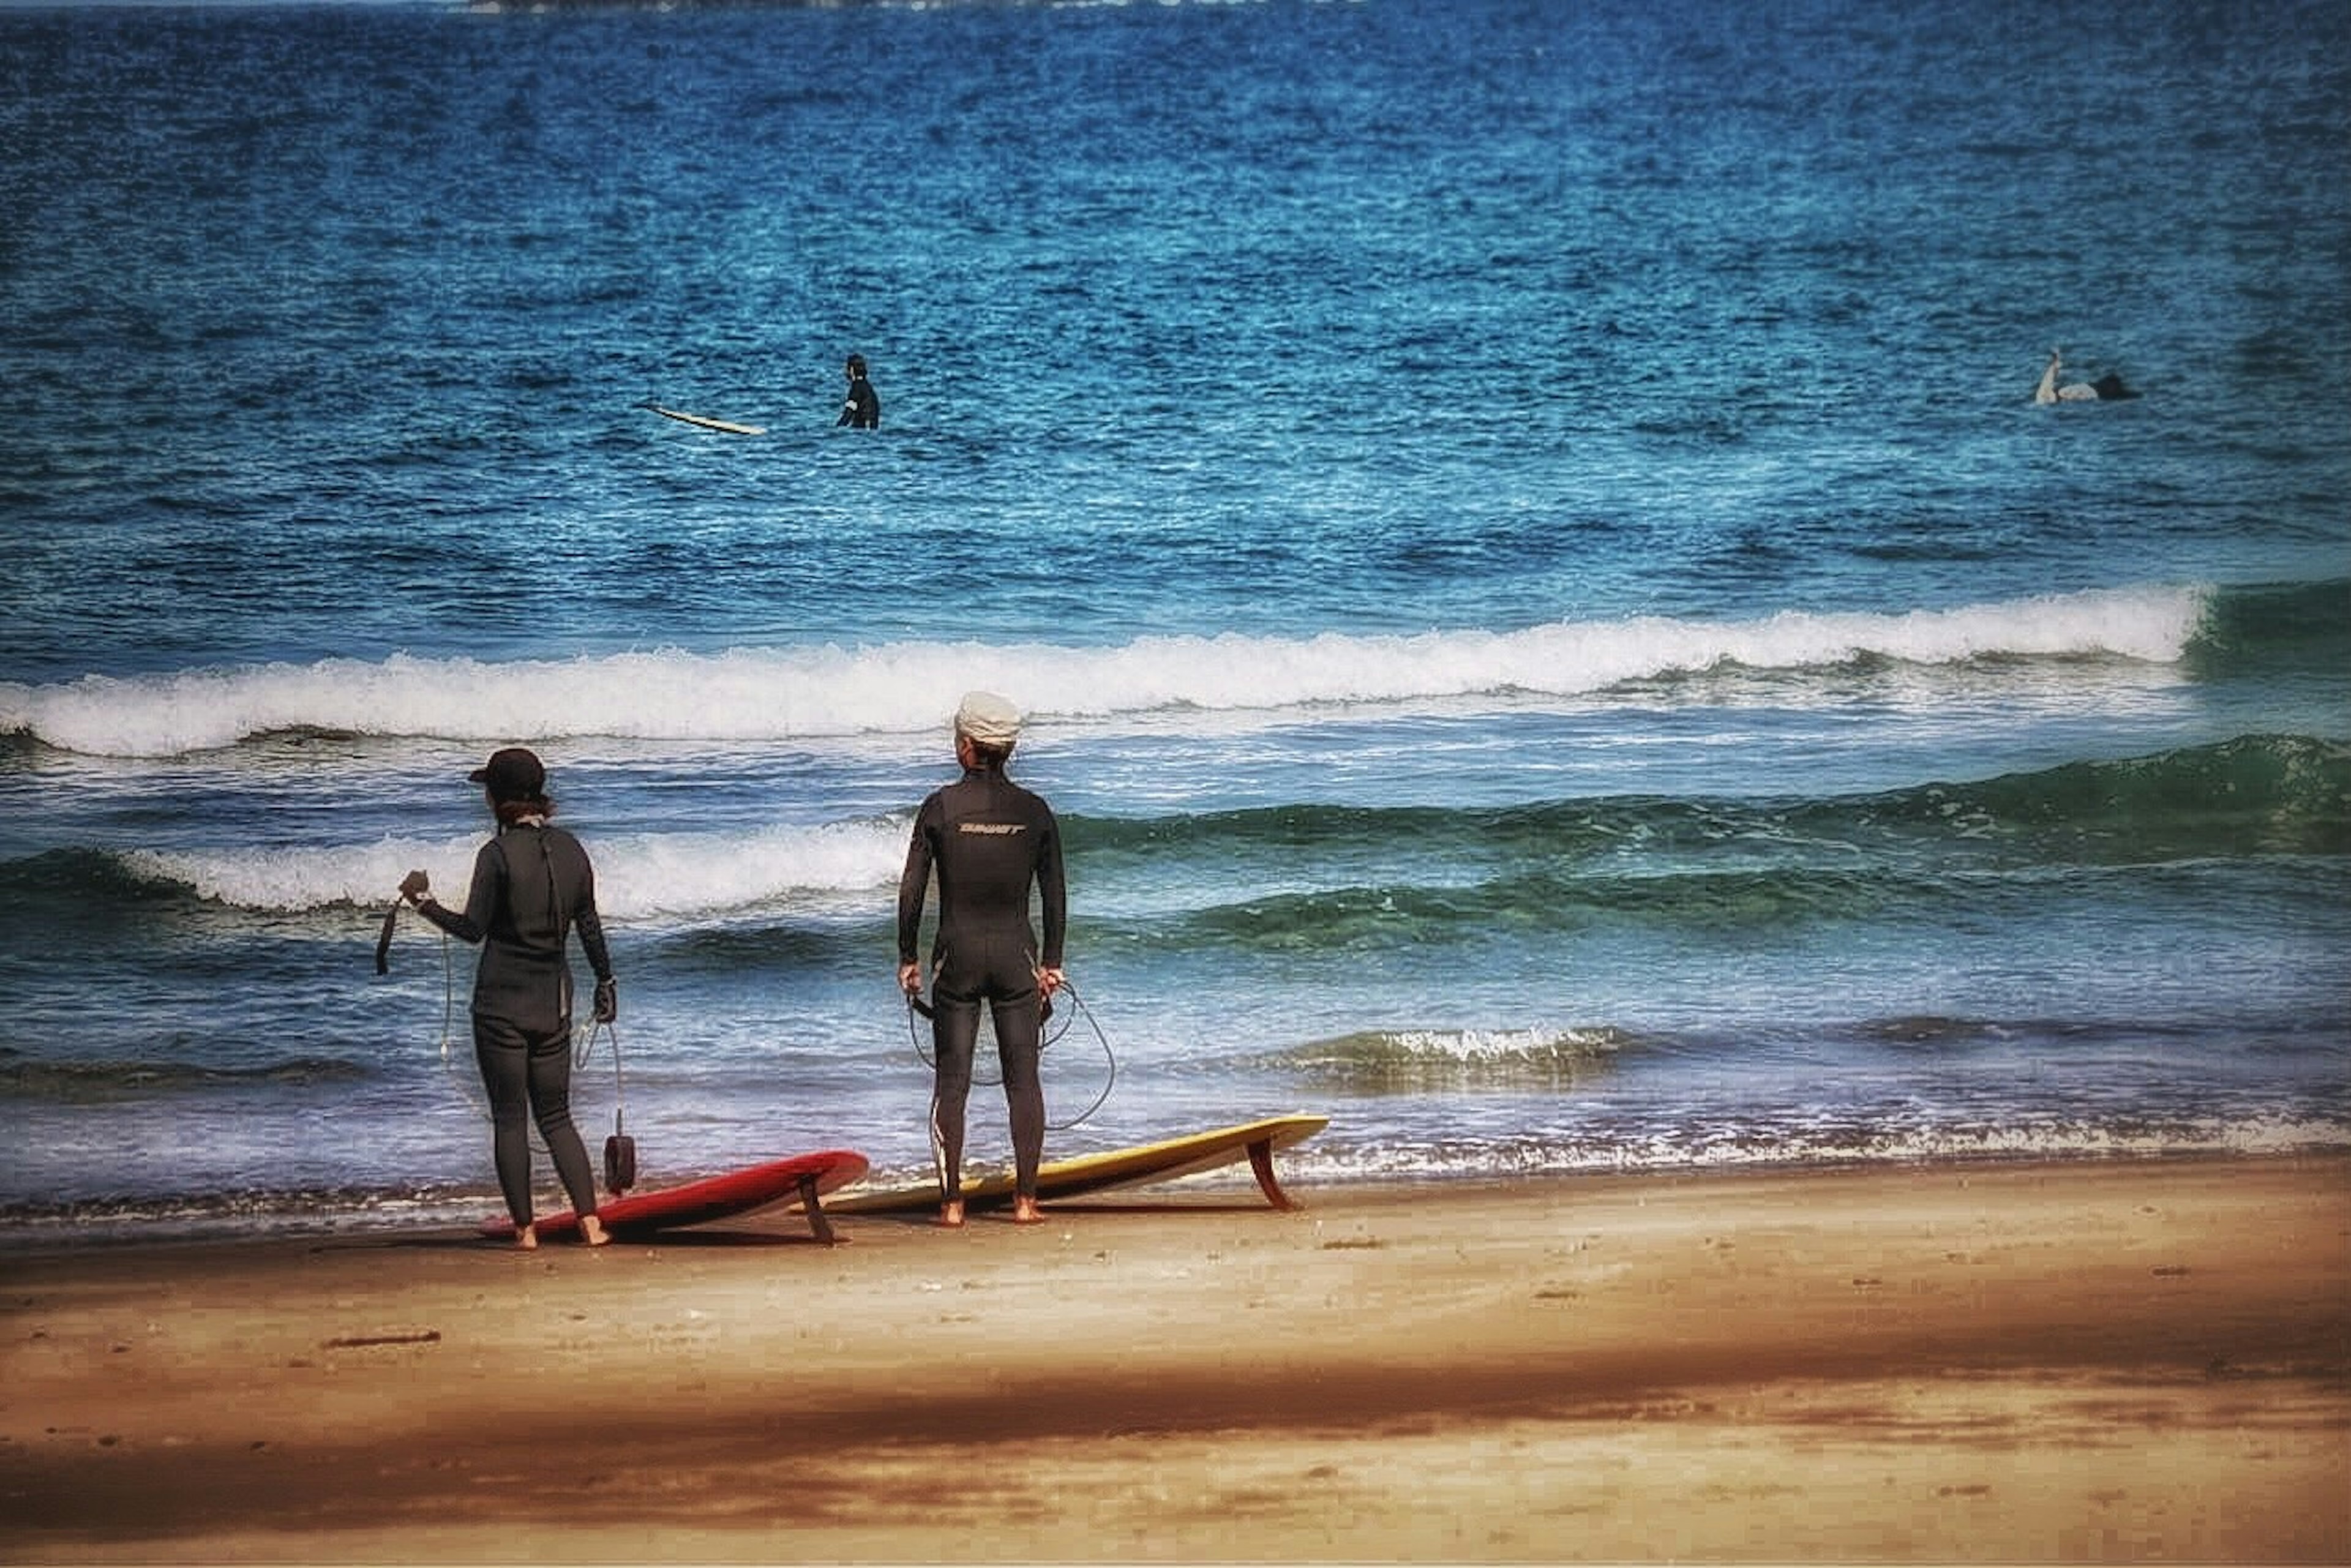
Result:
[
  {"x": 1046, "y": 1042},
  {"x": 468, "y": 1088}
]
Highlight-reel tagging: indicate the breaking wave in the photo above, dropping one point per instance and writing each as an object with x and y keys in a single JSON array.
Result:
[{"x": 787, "y": 693}]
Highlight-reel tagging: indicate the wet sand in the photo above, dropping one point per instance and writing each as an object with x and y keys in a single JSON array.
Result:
[{"x": 2104, "y": 1362}]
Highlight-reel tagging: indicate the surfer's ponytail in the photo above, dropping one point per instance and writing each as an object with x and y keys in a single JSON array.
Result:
[{"x": 513, "y": 812}]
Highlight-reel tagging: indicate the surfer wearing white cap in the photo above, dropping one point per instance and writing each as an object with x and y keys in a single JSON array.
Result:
[{"x": 989, "y": 841}]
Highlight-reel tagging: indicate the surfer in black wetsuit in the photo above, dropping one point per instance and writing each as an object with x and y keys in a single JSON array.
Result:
[
  {"x": 533, "y": 886},
  {"x": 862, "y": 408},
  {"x": 988, "y": 840}
]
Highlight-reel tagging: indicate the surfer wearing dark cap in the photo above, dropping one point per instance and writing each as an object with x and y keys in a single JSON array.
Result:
[
  {"x": 989, "y": 841},
  {"x": 533, "y": 886},
  {"x": 862, "y": 408}
]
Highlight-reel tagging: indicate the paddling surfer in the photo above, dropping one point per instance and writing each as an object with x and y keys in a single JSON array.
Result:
[
  {"x": 862, "y": 410},
  {"x": 989, "y": 841},
  {"x": 533, "y": 887}
]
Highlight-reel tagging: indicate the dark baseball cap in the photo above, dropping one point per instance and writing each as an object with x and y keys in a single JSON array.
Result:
[{"x": 512, "y": 774}]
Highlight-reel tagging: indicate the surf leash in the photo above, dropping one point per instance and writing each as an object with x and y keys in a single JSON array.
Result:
[
  {"x": 448, "y": 1001},
  {"x": 620, "y": 1149},
  {"x": 1047, "y": 1040},
  {"x": 1109, "y": 1059},
  {"x": 448, "y": 1006},
  {"x": 383, "y": 939},
  {"x": 477, "y": 1101}
]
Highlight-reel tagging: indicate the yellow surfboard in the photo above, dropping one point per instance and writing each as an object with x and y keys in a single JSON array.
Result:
[{"x": 1255, "y": 1142}]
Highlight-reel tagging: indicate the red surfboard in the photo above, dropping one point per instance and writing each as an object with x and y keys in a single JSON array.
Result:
[{"x": 804, "y": 1177}]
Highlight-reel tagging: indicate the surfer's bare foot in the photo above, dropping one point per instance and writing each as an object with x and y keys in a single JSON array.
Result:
[
  {"x": 1024, "y": 1212},
  {"x": 951, "y": 1214},
  {"x": 591, "y": 1231},
  {"x": 527, "y": 1239}
]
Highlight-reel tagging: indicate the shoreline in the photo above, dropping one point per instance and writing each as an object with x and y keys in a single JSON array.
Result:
[
  {"x": 63, "y": 1234},
  {"x": 1994, "y": 1361}
]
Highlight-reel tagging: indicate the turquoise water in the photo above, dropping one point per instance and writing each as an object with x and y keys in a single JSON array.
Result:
[{"x": 1555, "y": 628}]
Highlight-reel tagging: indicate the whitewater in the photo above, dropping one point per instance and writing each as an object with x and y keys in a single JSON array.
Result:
[{"x": 770, "y": 693}]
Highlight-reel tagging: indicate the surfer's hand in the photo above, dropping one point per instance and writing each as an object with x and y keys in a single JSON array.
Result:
[
  {"x": 608, "y": 999},
  {"x": 414, "y": 885},
  {"x": 1048, "y": 981},
  {"x": 909, "y": 978}
]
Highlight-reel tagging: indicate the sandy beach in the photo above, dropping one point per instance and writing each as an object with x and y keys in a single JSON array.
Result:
[{"x": 2102, "y": 1362}]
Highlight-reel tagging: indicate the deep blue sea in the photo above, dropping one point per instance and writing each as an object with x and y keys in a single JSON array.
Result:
[{"x": 1557, "y": 632}]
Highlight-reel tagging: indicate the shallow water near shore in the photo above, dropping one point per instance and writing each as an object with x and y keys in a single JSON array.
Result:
[{"x": 1555, "y": 628}]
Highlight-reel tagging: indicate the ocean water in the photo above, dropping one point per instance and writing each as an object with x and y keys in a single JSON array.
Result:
[{"x": 1554, "y": 627}]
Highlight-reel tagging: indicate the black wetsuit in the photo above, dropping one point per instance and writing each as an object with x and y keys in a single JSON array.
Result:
[
  {"x": 864, "y": 408},
  {"x": 532, "y": 886},
  {"x": 988, "y": 839}
]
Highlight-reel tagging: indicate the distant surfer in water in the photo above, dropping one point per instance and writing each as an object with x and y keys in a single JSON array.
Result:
[
  {"x": 533, "y": 886},
  {"x": 862, "y": 408},
  {"x": 989, "y": 841},
  {"x": 2107, "y": 388}
]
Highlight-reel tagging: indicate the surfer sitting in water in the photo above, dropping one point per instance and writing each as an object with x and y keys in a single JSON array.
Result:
[
  {"x": 2107, "y": 388},
  {"x": 862, "y": 408},
  {"x": 989, "y": 840}
]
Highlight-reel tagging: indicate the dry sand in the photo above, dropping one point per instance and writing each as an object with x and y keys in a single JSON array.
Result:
[{"x": 2127, "y": 1360}]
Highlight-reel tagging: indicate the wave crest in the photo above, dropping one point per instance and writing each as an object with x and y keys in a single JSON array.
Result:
[
  {"x": 785, "y": 693},
  {"x": 1462, "y": 871},
  {"x": 639, "y": 878},
  {"x": 1455, "y": 1059}
]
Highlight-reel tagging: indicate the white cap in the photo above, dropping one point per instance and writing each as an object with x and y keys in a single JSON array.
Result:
[{"x": 989, "y": 719}]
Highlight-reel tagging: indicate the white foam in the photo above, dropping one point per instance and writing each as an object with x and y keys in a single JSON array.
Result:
[
  {"x": 787, "y": 693},
  {"x": 638, "y": 877},
  {"x": 1778, "y": 1147},
  {"x": 1501, "y": 1049}
]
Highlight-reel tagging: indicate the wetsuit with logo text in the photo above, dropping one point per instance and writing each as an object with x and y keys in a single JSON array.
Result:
[{"x": 989, "y": 841}]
